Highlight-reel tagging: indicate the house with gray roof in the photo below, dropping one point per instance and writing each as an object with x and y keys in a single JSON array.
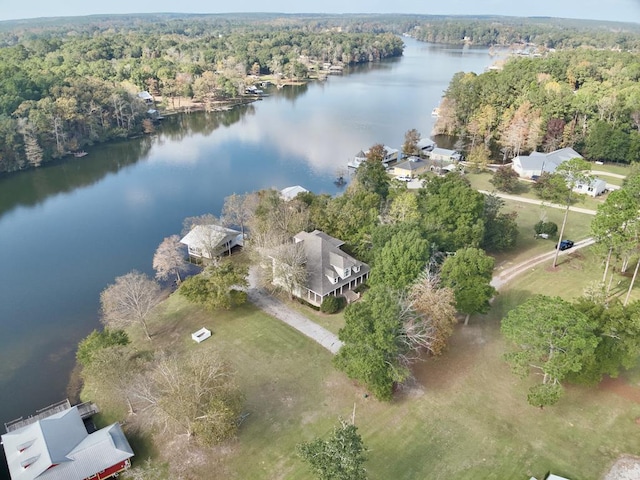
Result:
[
  {"x": 444, "y": 155},
  {"x": 536, "y": 163},
  {"x": 206, "y": 242},
  {"x": 329, "y": 270},
  {"x": 59, "y": 447}
]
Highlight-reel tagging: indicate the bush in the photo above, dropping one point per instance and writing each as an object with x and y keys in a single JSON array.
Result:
[
  {"x": 332, "y": 304},
  {"x": 550, "y": 228}
]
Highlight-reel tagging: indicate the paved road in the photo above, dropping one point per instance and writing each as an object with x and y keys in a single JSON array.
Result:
[
  {"x": 506, "y": 275},
  {"x": 274, "y": 307}
]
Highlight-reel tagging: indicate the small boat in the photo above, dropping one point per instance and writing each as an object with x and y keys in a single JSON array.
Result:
[
  {"x": 80, "y": 154},
  {"x": 435, "y": 112}
]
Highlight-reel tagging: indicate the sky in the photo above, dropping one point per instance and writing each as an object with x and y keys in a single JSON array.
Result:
[{"x": 616, "y": 10}]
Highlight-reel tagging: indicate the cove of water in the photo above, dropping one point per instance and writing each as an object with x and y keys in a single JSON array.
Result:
[{"x": 68, "y": 229}]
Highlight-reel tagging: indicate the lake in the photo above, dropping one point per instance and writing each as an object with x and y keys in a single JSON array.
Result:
[{"x": 68, "y": 229}]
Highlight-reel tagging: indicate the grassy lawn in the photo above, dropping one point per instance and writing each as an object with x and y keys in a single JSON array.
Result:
[
  {"x": 465, "y": 417},
  {"x": 616, "y": 168},
  {"x": 578, "y": 228}
]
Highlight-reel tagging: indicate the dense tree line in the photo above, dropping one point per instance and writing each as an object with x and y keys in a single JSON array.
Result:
[
  {"x": 585, "y": 99},
  {"x": 540, "y": 32},
  {"x": 62, "y": 90}
]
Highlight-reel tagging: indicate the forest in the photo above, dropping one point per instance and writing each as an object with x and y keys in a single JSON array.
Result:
[
  {"x": 62, "y": 90},
  {"x": 582, "y": 98},
  {"x": 68, "y": 83}
]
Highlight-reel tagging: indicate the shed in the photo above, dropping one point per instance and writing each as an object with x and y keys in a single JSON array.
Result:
[{"x": 290, "y": 193}]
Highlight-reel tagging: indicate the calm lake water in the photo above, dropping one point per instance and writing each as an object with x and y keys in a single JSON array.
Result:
[{"x": 67, "y": 230}]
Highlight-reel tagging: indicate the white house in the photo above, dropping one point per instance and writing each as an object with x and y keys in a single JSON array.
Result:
[
  {"x": 444, "y": 155},
  {"x": 426, "y": 145},
  {"x": 390, "y": 155},
  {"x": 211, "y": 241},
  {"x": 596, "y": 187},
  {"x": 290, "y": 193},
  {"x": 57, "y": 446},
  {"x": 534, "y": 164},
  {"x": 329, "y": 270}
]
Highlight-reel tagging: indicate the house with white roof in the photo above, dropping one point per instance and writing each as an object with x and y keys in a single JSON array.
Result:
[
  {"x": 59, "y": 447},
  {"x": 534, "y": 164},
  {"x": 290, "y": 193},
  {"x": 444, "y": 155},
  {"x": 206, "y": 242},
  {"x": 329, "y": 270}
]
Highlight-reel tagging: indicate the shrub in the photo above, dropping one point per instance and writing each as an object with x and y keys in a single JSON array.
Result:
[{"x": 332, "y": 304}]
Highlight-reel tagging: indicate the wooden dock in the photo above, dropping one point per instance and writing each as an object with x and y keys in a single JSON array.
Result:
[{"x": 86, "y": 410}]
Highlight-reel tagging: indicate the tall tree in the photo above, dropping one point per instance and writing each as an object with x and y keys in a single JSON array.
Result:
[
  {"x": 552, "y": 338},
  {"x": 371, "y": 173},
  {"x": 169, "y": 259},
  {"x": 430, "y": 314},
  {"x": 340, "y": 457},
  {"x": 373, "y": 346},
  {"x": 289, "y": 266},
  {"x": 400, "y": 260},
  {"x": 468, "y": 273},
  {"x": 238, "y": 210},
  {"x": 410, "y": 145},
  {"x": 574, "y": 172},
  {"x": 130, "y": 299}
]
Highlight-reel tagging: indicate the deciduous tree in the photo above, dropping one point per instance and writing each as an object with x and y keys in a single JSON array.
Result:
[
  {"x": 373, "y": 346},
  {"x": 505, "y": 179},
  {"x": 130, "y": 299},
  {"x": 468, "y": 273},
  {"x": 340, "y": 457},
  {"x": 169, "y": 259},
  {"x": 196, "y": 396},
  {"x": 217, "y": 286},
  {"x": 410, "y": 145}
]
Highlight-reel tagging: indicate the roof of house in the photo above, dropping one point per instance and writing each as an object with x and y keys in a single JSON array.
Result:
[
  {"x": 59, "y": 448},
  {"x": 547, "y": 162},
  {"x": 426, "y": 143},
  {"x": 443, "y": 151},
  {"x": 323, "y": 257},
  {"x": 290, "y": 193},
  {"x": 145, "y": 95},
  {"x": 412, "y": 164},
  {"x": 208, "y": 236}
]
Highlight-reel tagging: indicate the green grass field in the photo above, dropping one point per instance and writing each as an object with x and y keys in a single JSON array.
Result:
[{"x": 465, "y": 417}]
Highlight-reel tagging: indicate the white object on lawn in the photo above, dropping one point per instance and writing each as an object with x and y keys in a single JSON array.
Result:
[{"x": 201, "y": 335}]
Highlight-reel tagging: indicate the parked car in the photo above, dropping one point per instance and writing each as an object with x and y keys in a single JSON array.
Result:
[
  {"x": 565, "y": 244},
  {"x": 403, "y": 178}
]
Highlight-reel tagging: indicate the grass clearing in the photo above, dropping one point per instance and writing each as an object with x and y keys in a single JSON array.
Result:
[{"x": 465, "y": 417}]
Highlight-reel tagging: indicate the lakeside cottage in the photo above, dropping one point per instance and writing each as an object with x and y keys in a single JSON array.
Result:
[
  {"x": 411, "y": 167},
  {"x": 206, "y": 242},
  {"x": 290, "y": 193},
  {"x": 391, "y": 155},
  {"x": 56, "y": 445}
]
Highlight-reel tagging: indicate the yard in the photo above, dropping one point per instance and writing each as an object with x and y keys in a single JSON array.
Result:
[{"x": 465, "y": 417}]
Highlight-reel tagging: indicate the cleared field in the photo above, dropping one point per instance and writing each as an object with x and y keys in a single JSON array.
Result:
[{"x": 465, "y": 416}]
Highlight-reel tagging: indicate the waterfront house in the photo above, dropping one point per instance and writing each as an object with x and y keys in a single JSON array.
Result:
[
  {"x": 411, "y": 167},
  {"x": 56, "y": 445},
  {"x": 426, "y": 145},
  {"x": 390, "y": 155},
  {"x": 290, "y": 193},
  {"x": 329, "y": 270},
  {"x": 444, "y": 155},
  {"x": 146, "y": 97},
  {"x": 206, "y": 242},
  {"x": 534, "y": 164}
]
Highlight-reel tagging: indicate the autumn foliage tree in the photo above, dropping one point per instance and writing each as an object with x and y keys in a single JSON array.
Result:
[{"x": 169, "y": 259}]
